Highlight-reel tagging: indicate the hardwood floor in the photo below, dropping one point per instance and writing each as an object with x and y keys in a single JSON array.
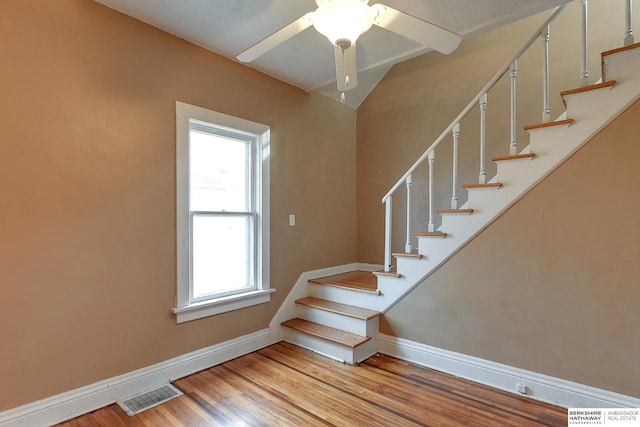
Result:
[{"x": 284, "y": 385}]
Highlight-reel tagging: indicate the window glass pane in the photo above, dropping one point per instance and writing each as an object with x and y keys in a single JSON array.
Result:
[
  {"x": 222, "y": 260},
  {"x": 219, "y": 173}
]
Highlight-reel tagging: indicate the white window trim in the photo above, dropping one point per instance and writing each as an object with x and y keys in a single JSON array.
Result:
[{"x": 186, "y": 310}]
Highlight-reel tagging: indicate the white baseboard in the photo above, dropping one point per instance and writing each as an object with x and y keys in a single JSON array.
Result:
[
  {"x": 369, "y": 267},
  {"x": 85, "y": 399},
  {"x": 540, "y": 387},
  {"x": 80, "y": 401}
]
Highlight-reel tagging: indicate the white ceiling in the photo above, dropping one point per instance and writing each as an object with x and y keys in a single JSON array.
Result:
[{"x": 228, "y": 27}]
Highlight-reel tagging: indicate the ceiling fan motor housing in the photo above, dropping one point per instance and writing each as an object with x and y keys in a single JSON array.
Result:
[{"x": 343, "y": 44}]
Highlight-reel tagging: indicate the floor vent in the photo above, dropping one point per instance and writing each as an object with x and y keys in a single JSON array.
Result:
[{"x": 149, "y": 399}]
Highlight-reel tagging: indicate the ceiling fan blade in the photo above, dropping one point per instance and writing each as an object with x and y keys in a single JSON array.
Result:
[
  {"x": 346, "y": 68},
  {"x": 416, "y": 29},
  {"x": 280, "y": 36}
]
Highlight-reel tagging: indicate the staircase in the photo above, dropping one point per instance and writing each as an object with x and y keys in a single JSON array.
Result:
[{"x": 325, "y": 324}]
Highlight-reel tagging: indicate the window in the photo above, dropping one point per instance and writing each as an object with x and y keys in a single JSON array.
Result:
[{"x": 222, "y": 195}]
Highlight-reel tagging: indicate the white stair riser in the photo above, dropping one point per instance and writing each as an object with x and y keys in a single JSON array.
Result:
[
  {"x": 623, "y": 66},
  {"x": 512, "y": 170},
  {"x": 426, "y": 246},
  {"x": 545, "y": 146},
  {"x": 423, "y": 246},
  {"x": 580, "y": 105},
  {"x": 452, "y": 223},
  {"x": 339, "y": 321},
  {"x": 484, "y": 200},
  {"x": 331, "y": 349},
  {"x": 404, "y": 264},
  {"x": 343, "y": 295},
  {"x": 439, "y": 252},
  {"x": 366, "y": 350}
]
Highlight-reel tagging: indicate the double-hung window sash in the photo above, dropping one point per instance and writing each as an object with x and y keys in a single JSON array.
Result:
[{"x": 222, "y": 212}]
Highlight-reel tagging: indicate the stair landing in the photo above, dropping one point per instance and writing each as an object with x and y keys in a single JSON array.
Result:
[{"x": 357, "y": 280}]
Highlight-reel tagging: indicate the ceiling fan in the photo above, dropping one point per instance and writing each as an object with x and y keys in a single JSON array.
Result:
[{"x": 343, "y": 21}]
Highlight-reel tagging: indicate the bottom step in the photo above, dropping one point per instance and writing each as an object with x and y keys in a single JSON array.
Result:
[
  {"x": 340, "y": 345},
  {"x": 330, "y": 334}
]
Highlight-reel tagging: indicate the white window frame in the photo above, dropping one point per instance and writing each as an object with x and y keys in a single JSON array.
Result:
[{"x": 186, "y": 307}]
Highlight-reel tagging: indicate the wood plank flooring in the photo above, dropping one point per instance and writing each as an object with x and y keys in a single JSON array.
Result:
[{"x": 284, "y": 385}]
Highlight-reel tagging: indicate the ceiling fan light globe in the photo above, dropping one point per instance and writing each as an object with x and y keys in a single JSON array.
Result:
[{"x": 341, "y": 20}]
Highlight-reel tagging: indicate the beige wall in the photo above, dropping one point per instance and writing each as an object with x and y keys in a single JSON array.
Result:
[
  {"x": 552, "y": 285},
  {"x": 87, "y": 204}
]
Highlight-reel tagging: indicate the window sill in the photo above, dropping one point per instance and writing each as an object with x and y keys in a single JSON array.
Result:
[{"x": 221, "y": 305}]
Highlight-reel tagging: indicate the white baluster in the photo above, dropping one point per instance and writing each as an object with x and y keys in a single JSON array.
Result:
[
  {"x": 482, "y": 179},
  {"x": 432, "y": 224},
  {"x": 513, "y": 146},
  {"x": 387, "y": 234},
  {"x": 546, "y": 110},
  {"x": 584, "y": 75},
  {"x": 407, "y": 246},
  {"x": 628, "y": 33},
  {"x": 456, "y": 138}
]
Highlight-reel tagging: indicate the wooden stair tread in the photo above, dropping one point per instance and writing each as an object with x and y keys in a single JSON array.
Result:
[
  {"x": 588, "y": 88},
  {"x": 455, "y": 211},
  {"x": 392, "y": 273},
  {"x": 406, "y": 255},
  {"x": 489, "y": 185},
  {"x": 513, "y": 157},
  {"x": 549, "y": 124},
  {"x": 336, "y": 307},
  {"x": 330, "y": 334},
  {"x": 430, "y": 234},
  {"x": 357, "y": 280}
]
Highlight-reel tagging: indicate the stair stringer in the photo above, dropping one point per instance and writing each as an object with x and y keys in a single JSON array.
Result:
[{"x": 591, "y": 112}]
